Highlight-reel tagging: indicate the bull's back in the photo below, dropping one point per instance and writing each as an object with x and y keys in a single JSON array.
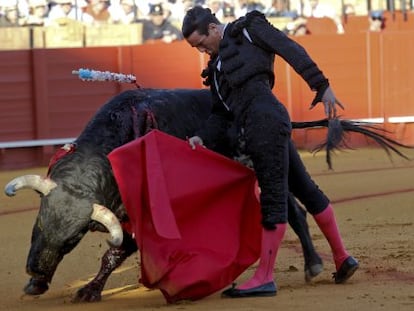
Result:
[{"x": 180, "y": 112}]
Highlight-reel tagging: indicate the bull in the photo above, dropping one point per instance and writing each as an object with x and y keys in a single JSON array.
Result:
[{"x": 80, "y": 193}]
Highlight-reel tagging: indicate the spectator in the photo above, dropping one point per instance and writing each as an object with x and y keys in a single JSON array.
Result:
[
  {"x": 142, "y": 9},
  {"x": 355, "y": 8},
  {"x": 23, "y": 8},
  {"x": 376, "y": 21},
  {"x": 349, "y": 9},
  {"x": 229, "y": 14},
  {"x": 38, "y": 13},
  {"x": 96, "y": 12},
  {"x": 280, "y": 8},
  {"x": 123, "y": 12},
  {"x": 216, "y": 7},
  {"x": 188, "y": 4},
  {"x": 9, "y": 14},
  {"x": 244, "y": 6},
  {"x": 316, "y": 9},
  {"x": 176, "y": 10},
  {"x": 66, "y": 9},
  {"x": 297, "y": 27},
  {"x": 158, "y": 28}
]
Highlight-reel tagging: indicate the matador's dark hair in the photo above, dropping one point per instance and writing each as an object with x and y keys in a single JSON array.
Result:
[{"x": 198, "y": 18}]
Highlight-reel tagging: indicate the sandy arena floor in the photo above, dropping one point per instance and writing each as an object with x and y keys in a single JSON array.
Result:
[{"x": 374, "y": 205}]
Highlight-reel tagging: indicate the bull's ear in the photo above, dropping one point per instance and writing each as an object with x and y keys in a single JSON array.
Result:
[{"x": 121, "y": 213}]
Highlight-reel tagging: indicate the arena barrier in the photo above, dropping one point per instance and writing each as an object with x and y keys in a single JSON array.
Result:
[{"x": 40, "y": 99}]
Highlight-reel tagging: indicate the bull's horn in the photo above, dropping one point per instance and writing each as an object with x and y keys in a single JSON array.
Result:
[
  {"x": 35, "y": 182},
  {"x": 104, "y": 216}
]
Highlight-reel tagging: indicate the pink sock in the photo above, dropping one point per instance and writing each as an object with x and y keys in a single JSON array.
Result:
[
  {"x": 327, "y": 223},
  {"x": 271, "y": 240}
]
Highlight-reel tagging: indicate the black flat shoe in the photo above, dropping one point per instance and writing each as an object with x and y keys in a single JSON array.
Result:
[
  {"x": 347, "y": 269},
  {"x": 265, "y": 290}
]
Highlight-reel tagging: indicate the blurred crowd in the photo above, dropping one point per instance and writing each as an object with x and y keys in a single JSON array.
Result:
[{"x": 162, "y": 18}]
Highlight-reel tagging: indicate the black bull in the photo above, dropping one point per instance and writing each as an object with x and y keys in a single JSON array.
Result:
[{"x": 80, "y": 193}]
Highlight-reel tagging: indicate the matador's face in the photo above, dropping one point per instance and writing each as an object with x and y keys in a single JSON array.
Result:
[{"x": 208, "y": 44}]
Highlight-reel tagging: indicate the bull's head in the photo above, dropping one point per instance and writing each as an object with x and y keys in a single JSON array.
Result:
[{"x": 59, "y": 227}]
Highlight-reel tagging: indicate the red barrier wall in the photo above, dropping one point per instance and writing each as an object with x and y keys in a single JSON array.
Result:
[{"x": 371, "y": 73}]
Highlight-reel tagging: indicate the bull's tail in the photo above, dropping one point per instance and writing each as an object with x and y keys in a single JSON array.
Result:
[{"x": 337, "y": 138}]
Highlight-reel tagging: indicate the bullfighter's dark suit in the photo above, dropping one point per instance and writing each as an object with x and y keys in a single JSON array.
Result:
[{"x": 246, "y": 111}]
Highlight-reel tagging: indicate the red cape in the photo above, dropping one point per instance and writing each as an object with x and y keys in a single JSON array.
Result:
[{"x": 194, "y": 214}]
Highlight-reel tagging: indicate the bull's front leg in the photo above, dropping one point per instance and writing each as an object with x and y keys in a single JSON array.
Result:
[{"x": 111, "y": 260}]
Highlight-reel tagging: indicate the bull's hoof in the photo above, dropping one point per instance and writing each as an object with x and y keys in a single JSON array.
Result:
[
  {"x": 36, "y": 287},
  {"x": 89, "y": 293},
  {"x": 313, "y": 268}
]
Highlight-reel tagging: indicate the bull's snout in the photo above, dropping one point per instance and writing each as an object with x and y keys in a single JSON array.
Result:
[{"x": 41, "y": 264}]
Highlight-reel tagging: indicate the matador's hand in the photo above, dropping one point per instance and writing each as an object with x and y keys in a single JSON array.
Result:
[
  {"x": 329, "y": 100},
  {"x": 194, "y": 141}
]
